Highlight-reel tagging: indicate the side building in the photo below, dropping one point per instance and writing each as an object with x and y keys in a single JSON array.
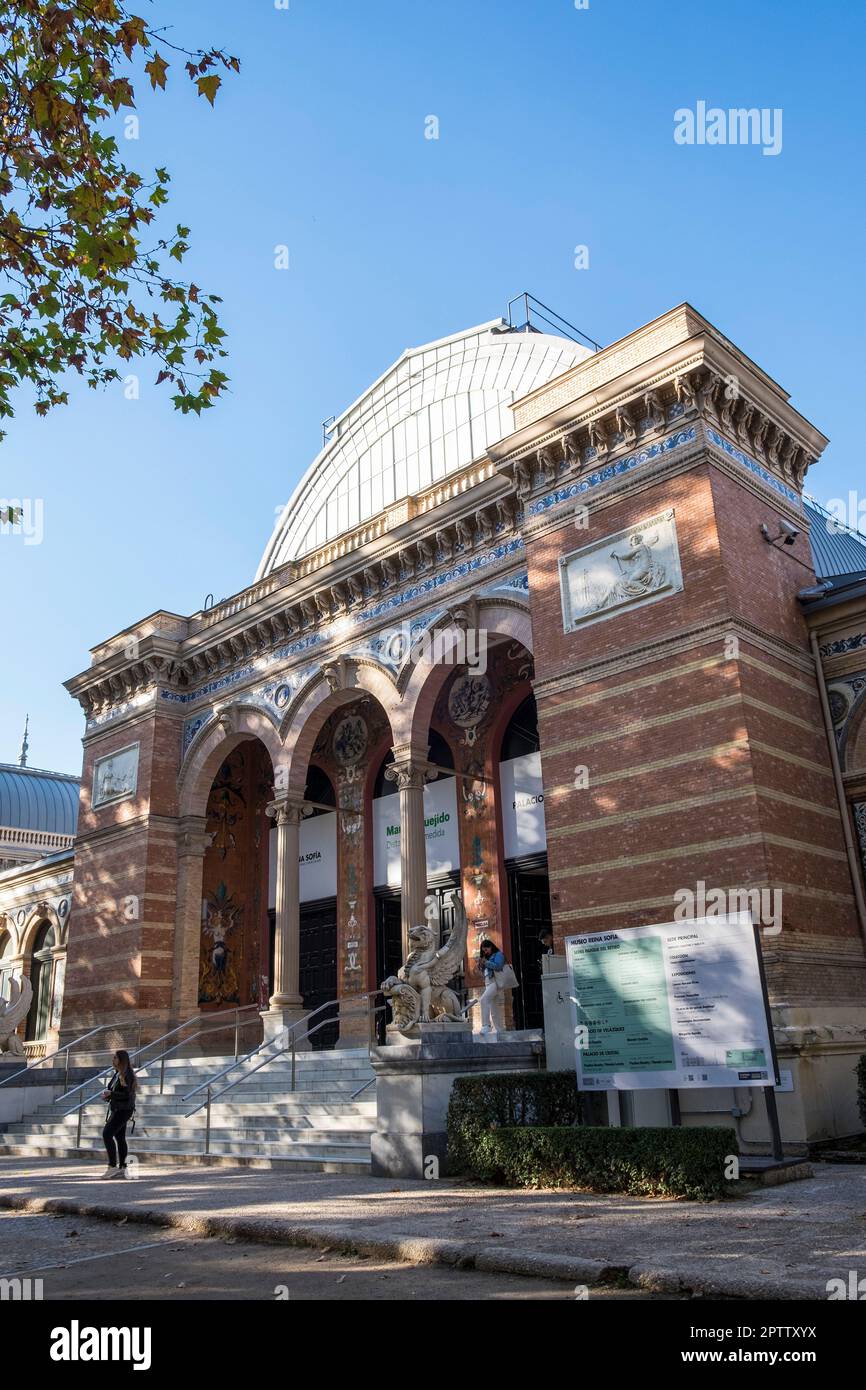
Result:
[{"x": 38, "y": 816}]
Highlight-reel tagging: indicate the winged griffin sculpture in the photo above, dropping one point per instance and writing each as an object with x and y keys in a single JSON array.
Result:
[
  {"x": 12, "y": 1012},
  {"x": 419, "y": 992}
]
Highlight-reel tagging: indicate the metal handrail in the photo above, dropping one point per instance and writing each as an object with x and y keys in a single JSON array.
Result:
[
  {"x": 239, "y": 1062},
  {"x": 170, "y": 1034},
  {"x": 98, "y": 1095},
  {"x": 103, "y": 1027},
  {"x": 210, "y": 1098}
]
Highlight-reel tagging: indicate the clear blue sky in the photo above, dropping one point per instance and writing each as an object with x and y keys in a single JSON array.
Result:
[{"x": 556, "y": 128}]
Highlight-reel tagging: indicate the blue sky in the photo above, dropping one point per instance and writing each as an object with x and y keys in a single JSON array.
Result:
[{"x": 556, "y": 129}]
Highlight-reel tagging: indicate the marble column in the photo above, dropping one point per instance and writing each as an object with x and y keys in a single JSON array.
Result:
[
  {"x": 410, "y": 772},
  {"x": 286, "y": 1005}
]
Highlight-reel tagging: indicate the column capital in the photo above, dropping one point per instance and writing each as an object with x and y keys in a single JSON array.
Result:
[
  {"x": 410, "y": 768},
  {"x": 285, "y": 810}
]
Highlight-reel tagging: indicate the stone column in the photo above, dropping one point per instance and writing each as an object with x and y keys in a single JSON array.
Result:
[
  {"x": 192, "y": 841},
  {"x": 286, "y": 1004},
  {"x": 410, "y": 771}
]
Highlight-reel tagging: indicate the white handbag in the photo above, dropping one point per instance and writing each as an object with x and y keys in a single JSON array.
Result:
[{"x": 506, "y": 978}]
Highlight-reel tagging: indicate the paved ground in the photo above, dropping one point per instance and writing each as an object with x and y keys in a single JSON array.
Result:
[
  {"x": 81, "y": 1257},
  {"x": 783, "y": 1242}
]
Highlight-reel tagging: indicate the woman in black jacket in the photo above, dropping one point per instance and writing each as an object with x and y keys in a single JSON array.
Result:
[{"x": 120, "y": 1095}]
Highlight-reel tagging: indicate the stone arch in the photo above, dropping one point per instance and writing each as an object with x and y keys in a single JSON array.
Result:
[
  {"x": 426, "y": 677},
  {"x": 39, "y": 915},
  {"x": 340, "y": 683},
  {"x": 212, "y": 744},
  {"x": 9, "y": 928}
]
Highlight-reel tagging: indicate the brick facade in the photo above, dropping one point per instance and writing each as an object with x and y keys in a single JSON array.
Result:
[{"x": 683, "y": 739}]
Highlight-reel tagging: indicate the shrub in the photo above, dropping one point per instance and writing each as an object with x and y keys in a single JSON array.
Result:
[
  {"x": 861, "y": 1088},
  {"x": 521, "y": 1130},
  {"x": 504, "y": 1099}
]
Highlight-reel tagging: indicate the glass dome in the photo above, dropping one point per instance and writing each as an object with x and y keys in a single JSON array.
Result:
[{"x": 434, "y": 412}]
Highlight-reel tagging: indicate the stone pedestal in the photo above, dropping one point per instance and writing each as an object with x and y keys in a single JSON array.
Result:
[
  {"x": 276, "y": 1020},
  {"x": 414, "y": 1080}
]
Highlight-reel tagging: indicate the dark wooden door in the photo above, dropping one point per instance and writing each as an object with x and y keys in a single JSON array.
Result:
[
  {"x": 318, "y": 966},
  {"x": 529, "y": 895}
]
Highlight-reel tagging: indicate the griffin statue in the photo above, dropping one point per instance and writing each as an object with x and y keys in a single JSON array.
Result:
[
  {"x": 12, "y": 1011},
  {"x": 419, "y": 992}
]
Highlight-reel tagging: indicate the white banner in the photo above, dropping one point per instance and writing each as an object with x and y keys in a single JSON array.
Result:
[
  {"x": 317, "y": 860},
  {"x": 523, "y": 830},
  {"x": 673, "y": 1006},
  {"x": 440, "y": 833}
]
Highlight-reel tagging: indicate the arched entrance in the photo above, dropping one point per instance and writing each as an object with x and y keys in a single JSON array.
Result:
[
  {"x": 524, "y": 848},
  {"x": 317, "y": 880},
  {"x": 41, "y": 974},
  {"x": 234, "y": 956}
]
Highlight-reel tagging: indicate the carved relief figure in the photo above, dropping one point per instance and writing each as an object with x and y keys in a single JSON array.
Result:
[{"x": 641, "y": 573}]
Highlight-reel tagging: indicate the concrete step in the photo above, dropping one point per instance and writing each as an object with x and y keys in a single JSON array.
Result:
[
  {"x": 355, "y": 1164},
  {"x": 230, "y": 1144},
  {"x": 268, "y": 1132},
  {"x": 220, "y": 1110}
]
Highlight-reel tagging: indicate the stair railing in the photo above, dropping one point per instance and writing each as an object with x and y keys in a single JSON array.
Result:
[
  {"x": 288, "y": 1040},
  {"x": 49, "y": 1056},
  {"x": 200, "y": 1032}
]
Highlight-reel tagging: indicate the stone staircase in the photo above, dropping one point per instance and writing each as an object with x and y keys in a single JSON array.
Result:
[{"x": 262, "y": 1122}]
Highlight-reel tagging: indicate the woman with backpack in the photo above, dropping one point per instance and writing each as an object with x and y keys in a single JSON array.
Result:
[{"x": 120, "y": 1095}]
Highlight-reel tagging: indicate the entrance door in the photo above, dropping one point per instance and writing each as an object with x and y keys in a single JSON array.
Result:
[
  {"x": 529, "y": 897},
  {"x": 389, "y": 947},
  {"x": 318, "y": 965}
]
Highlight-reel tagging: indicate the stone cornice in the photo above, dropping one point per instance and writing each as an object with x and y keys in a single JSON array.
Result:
[
  {"x": 434, "y": 540},
  {"x": 694, "y": 391}
]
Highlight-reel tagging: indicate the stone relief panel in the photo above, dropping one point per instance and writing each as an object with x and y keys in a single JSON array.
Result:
[
  {"x": 115, "y": 777},
  {"x": 633, "y": 567}
]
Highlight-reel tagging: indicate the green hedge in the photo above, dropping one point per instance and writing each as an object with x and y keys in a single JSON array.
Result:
[
  {"x": 522, "y": 1130},
  {"x": 503, "y": 1099},
  {"x": 861, "y": 1088}
]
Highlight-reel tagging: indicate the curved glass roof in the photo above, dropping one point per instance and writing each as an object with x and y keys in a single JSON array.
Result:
[
  {"x": 34, "y": 800},
  {"x": 434, "y": 412}
]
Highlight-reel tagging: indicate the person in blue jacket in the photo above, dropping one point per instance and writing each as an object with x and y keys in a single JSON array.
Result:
[{"x": 490, "y": 962}]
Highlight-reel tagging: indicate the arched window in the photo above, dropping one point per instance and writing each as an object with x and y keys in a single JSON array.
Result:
[
  {"x": 7, "y": 951},
  {"x": 40, "y": 978}
]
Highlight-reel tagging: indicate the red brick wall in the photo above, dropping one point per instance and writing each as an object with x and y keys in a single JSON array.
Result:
[
  {"x": 694, "y": 756},
  {"x": 122, "y": 924}
]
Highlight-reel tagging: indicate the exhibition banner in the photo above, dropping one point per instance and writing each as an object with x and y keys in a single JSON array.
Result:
[
  {"x": 317, "y": 860},
  {"x": 673, "y": 1006},
  {"x": 522, "y": 801},
  {"x": 440, "y": 833}
]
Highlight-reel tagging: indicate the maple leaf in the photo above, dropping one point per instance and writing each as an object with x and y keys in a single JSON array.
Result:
[
  {"x": 156, "y": 70},
  {"x": 209, "y": 86}
]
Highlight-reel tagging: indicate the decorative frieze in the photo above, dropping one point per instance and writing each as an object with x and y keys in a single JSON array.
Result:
[{"x": 649, "y": 412}]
